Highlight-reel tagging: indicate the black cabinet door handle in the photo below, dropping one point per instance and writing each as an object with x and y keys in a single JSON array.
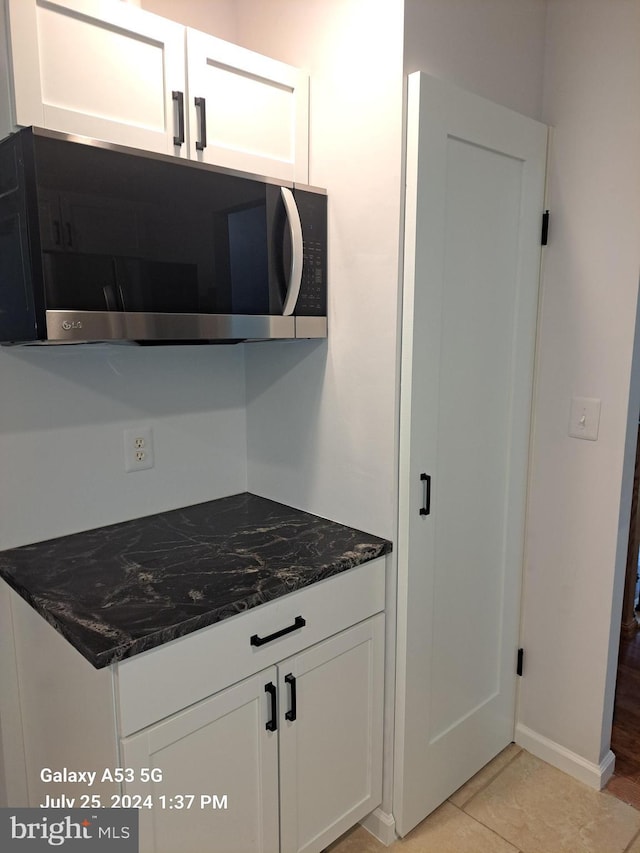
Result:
[
  {"x": 290, "y": 679},
  {"x": 272, "y": 724},
  {"x": 298, "y": 622},
  {"x": 179, "y": 98},
  {"x": 426, "y": 508},
  {"x": 201, "y": 143}
]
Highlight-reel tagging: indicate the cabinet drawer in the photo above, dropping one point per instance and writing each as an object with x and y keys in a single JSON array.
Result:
[{"x": 164, "y": 680}]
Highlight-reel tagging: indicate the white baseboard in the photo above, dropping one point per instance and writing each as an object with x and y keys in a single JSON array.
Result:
[
  {"x": 594, "y": 775},
  {"x": 381, "y": 825}
]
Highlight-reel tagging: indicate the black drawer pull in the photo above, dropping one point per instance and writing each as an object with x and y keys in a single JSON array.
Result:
[
  {"x": 299, "y": 622},
  {"x": 426, "y": 509},
  {"x": 291, "y": 681},
  {"x": 272, "y": 724}
]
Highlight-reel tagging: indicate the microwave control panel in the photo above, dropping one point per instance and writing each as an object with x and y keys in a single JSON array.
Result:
[{"x": 312, "y": 301}]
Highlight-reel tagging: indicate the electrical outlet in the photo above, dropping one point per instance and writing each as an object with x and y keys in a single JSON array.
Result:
[{"x": 138, "y": 449}]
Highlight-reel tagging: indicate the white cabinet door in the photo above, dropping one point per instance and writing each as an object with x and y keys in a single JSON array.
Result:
[
  {"x": 246, "y": 111},
  {"x": 95, "y": 68},
  {"x": 220, "y": 747},
  {"x": 475, "y": 193},
  {"x": 331, "y": 747}
]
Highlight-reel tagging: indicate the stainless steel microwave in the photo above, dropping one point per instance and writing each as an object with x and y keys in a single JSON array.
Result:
[{"x": 105, "y": 243}]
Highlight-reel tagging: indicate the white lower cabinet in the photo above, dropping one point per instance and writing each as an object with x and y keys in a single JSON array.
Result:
[
  {"x": 285, "y": 760},
  {"x": 261, "y": 733}
]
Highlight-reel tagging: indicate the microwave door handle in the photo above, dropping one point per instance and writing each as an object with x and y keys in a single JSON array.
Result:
[{"x": 295, "y": 230}]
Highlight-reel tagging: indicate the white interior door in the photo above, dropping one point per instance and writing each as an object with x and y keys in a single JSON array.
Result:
[{"x": 475, "y": 193}]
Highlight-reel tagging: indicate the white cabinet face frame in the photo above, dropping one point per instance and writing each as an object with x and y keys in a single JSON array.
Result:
[
  {"x": 255, "y": 115},
  {"x": 96, "y": 68}
]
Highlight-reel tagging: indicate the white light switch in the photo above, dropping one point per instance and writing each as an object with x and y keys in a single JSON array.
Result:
[{"x": 585, "y": 418}]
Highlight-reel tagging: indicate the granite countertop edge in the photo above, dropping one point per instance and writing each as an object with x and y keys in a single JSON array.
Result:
[
  {"x": 134, "y": 647},
  {"x": 367, "y": 549}
]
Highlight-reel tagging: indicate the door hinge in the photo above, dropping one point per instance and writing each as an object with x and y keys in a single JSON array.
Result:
[
  {"x": 544, "y": 237},
  {"x": 520, "y": 664}
]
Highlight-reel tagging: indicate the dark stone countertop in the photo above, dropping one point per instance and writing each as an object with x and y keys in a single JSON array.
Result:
[{"x": 119, "y": 590}]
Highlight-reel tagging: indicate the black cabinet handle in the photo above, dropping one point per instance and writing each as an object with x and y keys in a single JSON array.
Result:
[
  {"x": 272, "y": 724},
  {"x": 69, "y": 235},
  {"x": 291, "y": 681},
  {"x": 299, "y": 622},
  {"x": 179, "y": 98},
  {"x": 426, "y": 479},
  {"x": 201, "y": 143},
  {"x": 57, "y": 234}
]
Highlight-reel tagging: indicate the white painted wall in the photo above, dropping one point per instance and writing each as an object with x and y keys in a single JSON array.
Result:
[
  {"x": 62, "y": 417},
  {"x": 63, "y": 411},
  {"x": 493, "y": 48},
  {"x": 576, "y": 549},
  {"x": 321, "y": 416},
  {"x": 217, "y": 17}
]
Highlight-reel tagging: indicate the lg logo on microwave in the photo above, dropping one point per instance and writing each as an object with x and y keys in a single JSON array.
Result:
[{"x": 71, "y": 324}]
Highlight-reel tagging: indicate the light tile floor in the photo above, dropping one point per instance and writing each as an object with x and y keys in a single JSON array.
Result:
[{"x": 516, "y": 804}]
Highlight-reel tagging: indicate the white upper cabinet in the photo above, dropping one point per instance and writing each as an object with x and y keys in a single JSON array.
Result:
[
  {"x": 111, "y": 71},
  {"x": 246, "y": 111},
  {"x": 96, "y": 68}
]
